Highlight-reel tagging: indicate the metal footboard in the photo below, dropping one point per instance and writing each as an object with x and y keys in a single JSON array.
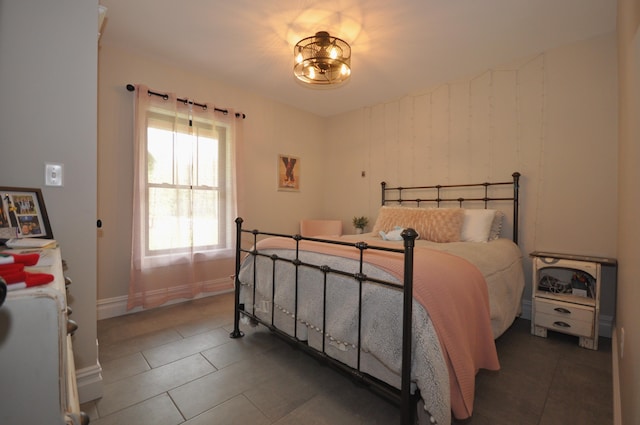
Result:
[{"x": 402, "y": 397}]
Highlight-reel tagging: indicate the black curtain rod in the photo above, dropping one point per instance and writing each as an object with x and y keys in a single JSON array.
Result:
[{"x": 131, "y": 87}]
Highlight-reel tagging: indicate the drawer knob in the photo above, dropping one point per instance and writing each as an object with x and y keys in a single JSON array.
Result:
[
  {"x": 72, "y": 326},
  {"x": 562, "y": 310},
  {"x": 84, "y": 419},
  {"x": 561, "y": 324},
  {"x": 78, "y": 418}
]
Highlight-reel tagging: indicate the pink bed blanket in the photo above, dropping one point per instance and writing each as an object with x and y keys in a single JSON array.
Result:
[{"x": 453, "y": 292}]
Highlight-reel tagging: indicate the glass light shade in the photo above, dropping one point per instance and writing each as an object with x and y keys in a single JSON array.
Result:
[{"x": 322, "y": 59}]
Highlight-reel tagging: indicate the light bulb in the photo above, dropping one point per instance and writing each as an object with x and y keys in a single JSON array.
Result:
[
  {"x": 333, "y": 54},
  {"x": 312, "y": 73}
]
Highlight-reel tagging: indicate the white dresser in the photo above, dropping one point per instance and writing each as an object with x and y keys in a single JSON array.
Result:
[{"x": 37, "y": 372}]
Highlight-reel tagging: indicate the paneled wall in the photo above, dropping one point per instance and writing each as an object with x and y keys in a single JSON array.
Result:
[
  {"x": 475, "y": 130},
  {"x": 551, "y": 117}
]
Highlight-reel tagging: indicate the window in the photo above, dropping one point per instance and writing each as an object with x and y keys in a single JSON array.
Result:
[
  {"x": 185, "y": 157},
  {"x": 186, "y": 197}
]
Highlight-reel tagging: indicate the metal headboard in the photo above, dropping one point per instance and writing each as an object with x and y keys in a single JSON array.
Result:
[{"x": 434, "y": 194}]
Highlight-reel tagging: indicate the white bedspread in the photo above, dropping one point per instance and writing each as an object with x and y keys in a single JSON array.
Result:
[{"x": 499, "y": 261}]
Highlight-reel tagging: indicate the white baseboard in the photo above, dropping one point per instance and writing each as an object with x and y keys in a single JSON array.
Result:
[
  {"x": 615, "y": 369},
  {"x": 117, "y": 306},
  {"x": 605, "y": 322},
  {"x": 89, "y": 380},
  {"x": 112, "y": 307}
]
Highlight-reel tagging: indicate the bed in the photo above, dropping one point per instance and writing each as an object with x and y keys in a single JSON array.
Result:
[{"x": 411, "y": 308}]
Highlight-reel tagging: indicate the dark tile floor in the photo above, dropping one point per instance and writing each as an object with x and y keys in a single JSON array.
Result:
[{"x": 177, "y": 365}]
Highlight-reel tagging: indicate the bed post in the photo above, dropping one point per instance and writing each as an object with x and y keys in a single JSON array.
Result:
[
  {"x": 384, "y": 186},
  {"x": 516, "y": 190},
  {"x": 406, "y": 408},
  {"x": 237, "y": 333}
]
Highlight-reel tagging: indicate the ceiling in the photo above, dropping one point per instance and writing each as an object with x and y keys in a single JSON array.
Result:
[{"x": 399, "y": 47}]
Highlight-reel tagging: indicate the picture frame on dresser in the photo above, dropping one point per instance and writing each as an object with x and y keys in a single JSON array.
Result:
[{"x": 24, "y": 209}]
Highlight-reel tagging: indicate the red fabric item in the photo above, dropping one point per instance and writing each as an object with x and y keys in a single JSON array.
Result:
[
  {"x": 11, "y": 268},
  {"x": 26, "y": 259},
  {"x": 35, "y": 279},
  {"x": 14, "y": 277},
  {"x": 30, "y": 279}
]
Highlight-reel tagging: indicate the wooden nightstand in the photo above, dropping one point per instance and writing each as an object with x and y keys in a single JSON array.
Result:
[{"x": 566, "y": 295}]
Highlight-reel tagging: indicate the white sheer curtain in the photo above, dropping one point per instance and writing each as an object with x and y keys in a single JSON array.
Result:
[{"x": 184, "y": 199}]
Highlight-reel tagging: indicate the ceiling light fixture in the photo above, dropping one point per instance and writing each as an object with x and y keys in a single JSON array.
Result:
[{"x": 322, "y": 59}]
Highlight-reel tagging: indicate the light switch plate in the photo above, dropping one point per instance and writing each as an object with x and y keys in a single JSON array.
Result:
[{"x": 53, "y": 174}]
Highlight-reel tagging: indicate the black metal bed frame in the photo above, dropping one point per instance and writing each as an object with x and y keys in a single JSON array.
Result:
[
  {"x": 403, "y": 397},
  {"x": 435, "y": 194}
]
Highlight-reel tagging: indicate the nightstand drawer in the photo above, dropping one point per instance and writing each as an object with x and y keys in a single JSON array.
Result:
[
  {"x": 564, "y": 317},
  {"x": 564, "y": 310}
]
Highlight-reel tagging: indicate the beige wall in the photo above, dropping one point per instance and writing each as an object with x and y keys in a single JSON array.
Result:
[
  {"x": 48, "y": 97},
  {"x": 552, "y": 117},
  {"x": 628, "y": 314},
  {"x": 270, "y": 129}
]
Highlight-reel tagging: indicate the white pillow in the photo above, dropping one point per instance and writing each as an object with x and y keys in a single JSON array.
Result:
[
  {"x": 496, "y": 226},
  {"x": 477, "y": 225}
]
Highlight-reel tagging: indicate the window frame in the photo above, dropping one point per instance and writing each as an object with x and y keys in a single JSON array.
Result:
[{"x": 185, "y": 121}]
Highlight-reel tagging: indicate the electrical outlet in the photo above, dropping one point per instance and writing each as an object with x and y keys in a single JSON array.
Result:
[{"x": 621, "y": 342}]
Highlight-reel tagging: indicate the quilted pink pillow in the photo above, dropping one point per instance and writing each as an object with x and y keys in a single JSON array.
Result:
[
  {"x": 445, "y": 224},
  {"x": 391, "y": 216}
]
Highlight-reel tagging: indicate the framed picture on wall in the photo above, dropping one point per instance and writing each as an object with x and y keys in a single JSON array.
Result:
[
  {"x": 24, "y": 209},
  {"x": 288, "y": 173}
]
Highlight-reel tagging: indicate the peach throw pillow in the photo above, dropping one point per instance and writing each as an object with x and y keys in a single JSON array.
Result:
[
  {"x": 445, "y": 224},
  {"x": 391, "y": 216}
]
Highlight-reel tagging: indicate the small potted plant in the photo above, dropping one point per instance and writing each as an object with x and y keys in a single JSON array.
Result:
[{"x": 360, "y": 223}]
